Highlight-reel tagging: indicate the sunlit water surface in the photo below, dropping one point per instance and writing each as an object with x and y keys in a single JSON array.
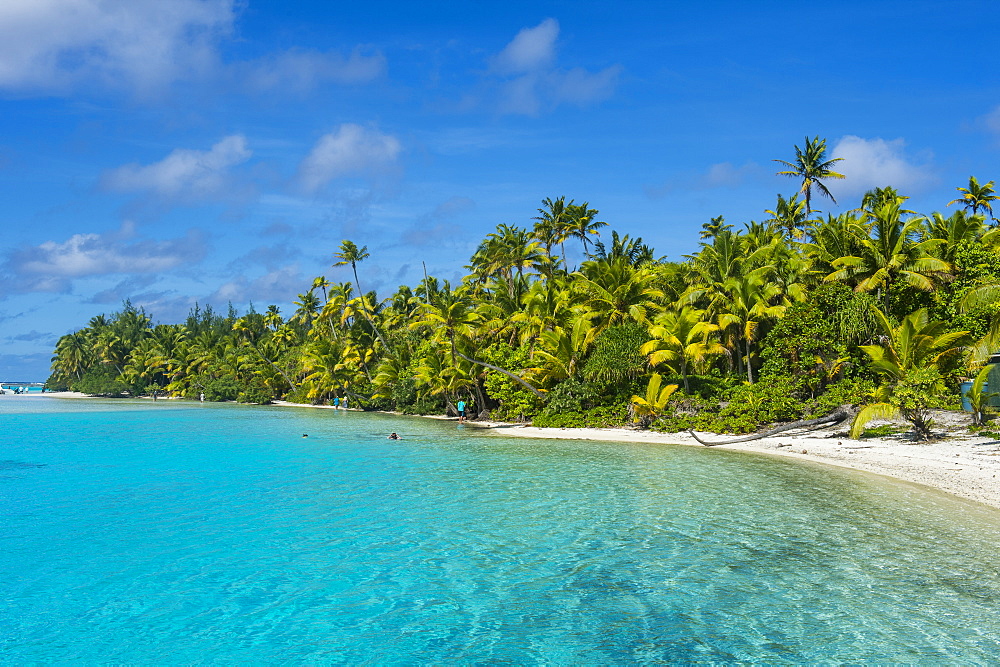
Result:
[{"x": 175, "y": 533}]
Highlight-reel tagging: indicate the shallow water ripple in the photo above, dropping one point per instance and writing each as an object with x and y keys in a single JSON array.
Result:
[{"x": 212, "y": 534}]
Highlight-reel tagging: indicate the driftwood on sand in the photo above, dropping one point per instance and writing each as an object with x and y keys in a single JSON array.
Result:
[{"x": 843, "y": 413}]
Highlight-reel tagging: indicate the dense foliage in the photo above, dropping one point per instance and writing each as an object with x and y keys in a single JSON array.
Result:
[{"x": 780, "y": 320}]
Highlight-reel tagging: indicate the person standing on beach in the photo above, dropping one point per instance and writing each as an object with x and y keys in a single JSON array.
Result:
[
  {"x": 336, "y": 402},
  {"x": 461, "y": 411},
  {"x": 344, "y": 402}
]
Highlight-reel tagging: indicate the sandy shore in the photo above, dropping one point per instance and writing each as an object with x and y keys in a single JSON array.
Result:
[{"x": 48, "y": 394}]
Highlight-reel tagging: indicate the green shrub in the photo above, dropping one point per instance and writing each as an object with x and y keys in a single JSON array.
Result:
[
  {"x": 221, "y": 389},
  {"x": 564, "y": 420},
  {"x": 604, "y": 416},
  {"x": 256, "y": 393},
  {"x": 56, "y": 384},
  {"x": 571, "y": 396},
  {"x": 101, "y": 380}
]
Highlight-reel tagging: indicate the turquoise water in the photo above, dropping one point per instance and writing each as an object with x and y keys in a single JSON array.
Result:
[{"x": 182, "y": 533}]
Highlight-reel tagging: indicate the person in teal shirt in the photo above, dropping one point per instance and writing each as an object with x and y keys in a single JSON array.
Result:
[{"x": 461, "y": 411}]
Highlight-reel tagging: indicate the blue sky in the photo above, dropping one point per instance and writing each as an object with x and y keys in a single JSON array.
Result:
[{"x": 212, "y": 151}]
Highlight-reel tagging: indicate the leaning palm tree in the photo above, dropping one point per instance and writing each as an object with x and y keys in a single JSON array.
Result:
[
  {"x": 812, "y": 166},
  {"x": 976, "y": 197},
  {"x": 351, "y": 254}
]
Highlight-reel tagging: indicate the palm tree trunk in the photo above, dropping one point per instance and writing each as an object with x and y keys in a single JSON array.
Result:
[
  {"x": 274, "y": 365},
  {"x": 749, "y": 365},
  {"x": 364, "y": 310}
]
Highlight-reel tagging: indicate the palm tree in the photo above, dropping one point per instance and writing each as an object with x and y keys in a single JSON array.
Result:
[
  {"x": 891, "y": 254},
  {"x": 714, "y": 227},
  {"x": 73, "y": 355},
  {"x": 790, "y": 214},
  {"x": 322, "y": 283},
  {"x": 561, "y": 351},
  {"x": 582, "y": 223},
  {"x": 812, "y": 166},
  {"x": 978, "y": 397},
  {"x": 349, "y": 253},
  {"x": 909, "y": 361},
  {"x": 958, "y": 228},
  {"x": 615, "y": 292},
  {"x": 682, "y": 338},
  {"x": 634, "y": 251},
  {"x": 553, "y": 224},
  {"x": 647, "y": 408},
  {"x": 875, "y": 198},
  {"x": 744, "y": 304},
  {"x": 272, "y": 318},
  {"x": 244, "y": 330},
  {"x": 835, "y": 237},
  {"x": 976, "y": 197},
  {"x": 308, "y": 306},
  {"x": 451, "y": 316},
  {"x": 505, "y": 250}
]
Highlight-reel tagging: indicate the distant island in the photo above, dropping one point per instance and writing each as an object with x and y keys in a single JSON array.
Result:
[{"x": 780, "y": 320}]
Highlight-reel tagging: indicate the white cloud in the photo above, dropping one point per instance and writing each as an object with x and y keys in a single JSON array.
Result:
[
  {"x": 59, "y": 45},
  {"x": 726, "y": 175},
  {"x": 279, "y": 285},
  {"x": 184, "y": 174},
  {"x": 531, "y": 49},
  {"x": 125, "y": 289},
  {"x": 992, "y": 120},
  {"x": 303, "y": 70},
  {"x": 50, "y": 266},
  {"x": 580, "y": 87},
  {"x": 527, "y": 81},
  {"x": 350, "y": 151},
  {"x": 876, "y": 163},
  {"x": 719, "y": 175},
  {"x": 438, "y": 226}
]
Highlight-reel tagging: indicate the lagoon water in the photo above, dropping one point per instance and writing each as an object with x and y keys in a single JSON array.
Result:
[{"x": 175, "y": 533}]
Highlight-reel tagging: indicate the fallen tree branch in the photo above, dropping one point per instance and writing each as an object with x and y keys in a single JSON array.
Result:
[{"x": 839, "y": 415}]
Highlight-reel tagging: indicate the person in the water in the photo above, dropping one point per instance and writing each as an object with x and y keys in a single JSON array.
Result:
[{"x": 393, "y": 436}]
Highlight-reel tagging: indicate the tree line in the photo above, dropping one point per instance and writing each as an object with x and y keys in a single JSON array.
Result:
[{"x": 781, "y": 319}]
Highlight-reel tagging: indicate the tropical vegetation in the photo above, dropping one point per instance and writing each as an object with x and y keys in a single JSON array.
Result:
[{"x": 778, "y": 320}]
